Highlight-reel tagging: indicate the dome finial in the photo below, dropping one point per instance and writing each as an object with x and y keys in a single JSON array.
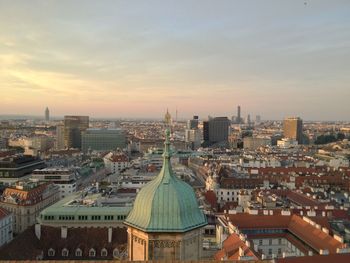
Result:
[{"x": 167, "y": 153}]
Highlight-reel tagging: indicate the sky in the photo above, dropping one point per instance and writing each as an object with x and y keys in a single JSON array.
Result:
[{"x": 275, "y": 58}]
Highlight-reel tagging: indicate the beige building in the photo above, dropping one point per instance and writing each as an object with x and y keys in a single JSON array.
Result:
[
  {"x": 26, "y": 200},
  {"x": 293, "y": 129}
]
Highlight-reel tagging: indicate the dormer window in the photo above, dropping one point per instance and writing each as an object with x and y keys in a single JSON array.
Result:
[
  {"x": 51, "y": 252},
  {"x": 92, "y": 252},
  {"x": 104, "y": 252},
  {"x": 78, "y": 252},
  {"x": 65, "y": 252}
]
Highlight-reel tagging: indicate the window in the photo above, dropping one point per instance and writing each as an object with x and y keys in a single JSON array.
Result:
[
  {"x": 104, "y": 252},
  {"x": 279, "y": 251},
  {"x": 280, "y": 241},
  {"x": 51, "y": 252},
  {"x": 65, "y": 252},
  {"x": 78, "y": 252},
  {"x": 260, "y": 242},
  {"x": 270, "y": 242},
  {"x": 116, "y": 253},
  {"x": 109, "y": 217},
  {"x": 95, "y": 217},
  {"x": 92, "y": 252},
  {"x": 270, "y": 251}
]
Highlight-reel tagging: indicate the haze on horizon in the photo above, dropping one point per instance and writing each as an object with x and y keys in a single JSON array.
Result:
[{"x": 138, "y": 58}]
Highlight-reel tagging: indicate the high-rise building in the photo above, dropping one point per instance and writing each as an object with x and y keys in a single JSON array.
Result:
[
  {"x": 239, "y": 119},
  {"x": 293, "y": 129},
  {"x": 192, "y": 134},
  {"x": 59, "y": 144},
  {"x": 73, "y": 127},
  {"x": 47, "y": 114},
  {"x": 216, "y": 130},
  {"x": 103, "y": 139},
  {"x": 192, "y": 124}
]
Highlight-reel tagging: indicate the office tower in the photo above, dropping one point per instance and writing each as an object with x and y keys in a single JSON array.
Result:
[
  {"x": 73, "y": 127},
  {"x": 192, "y": 124},
  {"x": 206, "y": 131},
  {"x": 47, "y": 114},
  {"x": 59, "y": 145},
  {"x": 192, "y": 134},
  {"x": 239, "y": 120},
  {"x": 293, "y": 129},
  {"x": 103, "y": 139},
  {"x": 216, "y": 130}
]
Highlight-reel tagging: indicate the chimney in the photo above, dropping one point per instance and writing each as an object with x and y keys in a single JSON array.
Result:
[
  {"x": 64, "y": 232},
  {"x": 109, "y": 235},
  {"x": 38, "y": 231}
]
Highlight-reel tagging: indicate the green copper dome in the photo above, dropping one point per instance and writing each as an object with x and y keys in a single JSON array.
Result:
[{"x": 166, "y": 204}]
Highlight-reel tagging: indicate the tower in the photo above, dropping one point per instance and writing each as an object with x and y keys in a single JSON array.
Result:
[
  {"x": 165, "y": 222},
  {"x": 47, "y": 114},
  {"x": 293, "y": 129},
  {"x": 216, "y": 130},
  {"x": 167, "y": 118},
  {"x": 73, "y": 126},
  {"x": 239, "y": 120}
]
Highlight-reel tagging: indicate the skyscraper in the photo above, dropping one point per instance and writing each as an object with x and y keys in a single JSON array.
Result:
[
  {"x": 47, "y": 114},
  {"x": 216, "y": 130},
  {"x": 73, "y": 127},
  {"x": 293, "y": 129},
  {"x": 239, "y": 120},
  {"x": 192, "y": 124},
  {"x": 192, "y": 134},
  {"x": 59, "y": 145}
]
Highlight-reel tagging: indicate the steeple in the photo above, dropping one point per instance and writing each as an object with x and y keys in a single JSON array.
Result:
[{"x": 166, "y": 204}]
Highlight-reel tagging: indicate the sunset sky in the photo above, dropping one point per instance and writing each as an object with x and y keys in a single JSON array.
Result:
[{"x": 138, "y": 58}]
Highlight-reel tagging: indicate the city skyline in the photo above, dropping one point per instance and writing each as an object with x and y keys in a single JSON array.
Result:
[{"x": 118, "y": 59}]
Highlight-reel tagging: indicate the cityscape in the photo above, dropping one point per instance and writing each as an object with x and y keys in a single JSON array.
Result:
[{"x": 175, "y": 139}]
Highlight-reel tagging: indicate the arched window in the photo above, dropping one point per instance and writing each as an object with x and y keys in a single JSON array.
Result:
[
  {"x": 92, "y": 252},
  {"x": 65, "y": 252},
  {"x": 104, "y": 252},
  {"x": 51, "y": 252},
  {"x": 78, "y": 252}
]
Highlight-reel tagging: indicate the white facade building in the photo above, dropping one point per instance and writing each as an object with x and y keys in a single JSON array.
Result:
[
  {"x": 63, "y": 178},
  {"x": 116, "y": 162},
  {"x": 6, "y": 231}
]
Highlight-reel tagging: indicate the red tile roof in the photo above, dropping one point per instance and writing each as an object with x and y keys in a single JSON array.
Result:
[
  {"x": 338, "y": 258},
  {"x": 296, "y": 225},
  {"x": 231, "y": 249},
  {"x": 210, "y": 197}
]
